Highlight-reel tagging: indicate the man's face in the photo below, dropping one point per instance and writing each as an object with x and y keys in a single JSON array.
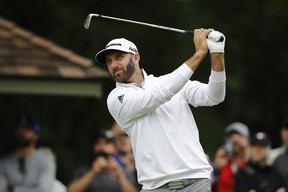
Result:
[
  {"x": 239, "y": 140},
  {"x": 25, "y": 136},
  {"x": 104, "y": 145},
  {"x": 120, "y": 65},
  {"x": 284, "y": 136},
  {"x": 259, "y": 153}
]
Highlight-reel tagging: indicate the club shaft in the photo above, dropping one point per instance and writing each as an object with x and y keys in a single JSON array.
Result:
[{"x": 141, "y": 23}]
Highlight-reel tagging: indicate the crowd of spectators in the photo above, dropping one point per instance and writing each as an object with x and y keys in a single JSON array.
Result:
[{"x": 245, "y": 162}]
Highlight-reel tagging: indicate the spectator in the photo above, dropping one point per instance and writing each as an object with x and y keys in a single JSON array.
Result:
[
  {"x": 24, "y": 169},
  {"x": 122, "y": 140},
  {"x": 105, "y": 173},
  {"x": 257, "y": 175},
  {"x": 274, "y": 153},
  {"x": 236, "y": 151},
  {"x": 280, "y": 162},
  {"x": 220, "y": 160},
  {"x": 125, "y": 151}
]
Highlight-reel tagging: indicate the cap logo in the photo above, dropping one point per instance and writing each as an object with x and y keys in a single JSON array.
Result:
[
  {"x": 260, "y": 136},
  {"x": 133, "y": 50},
  {"x": 114, "y": 44}
]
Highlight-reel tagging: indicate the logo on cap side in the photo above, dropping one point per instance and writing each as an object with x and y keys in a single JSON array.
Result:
[
  {"x": 133, "y": 50},
  {"x": 113, "y": 44}
]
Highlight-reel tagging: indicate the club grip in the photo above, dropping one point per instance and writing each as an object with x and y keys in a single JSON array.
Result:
[{"x": 189, "y": 32}]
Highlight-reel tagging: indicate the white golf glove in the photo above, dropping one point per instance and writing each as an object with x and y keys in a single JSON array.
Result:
[{"x": 213, "y": 42}]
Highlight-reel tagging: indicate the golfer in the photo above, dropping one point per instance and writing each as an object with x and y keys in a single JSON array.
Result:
[{"x": 155, "y": 112}]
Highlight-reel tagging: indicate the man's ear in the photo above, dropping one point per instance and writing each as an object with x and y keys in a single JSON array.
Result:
[{"x": 136, "y": 58}]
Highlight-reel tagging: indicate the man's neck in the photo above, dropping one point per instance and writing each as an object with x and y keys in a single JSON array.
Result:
[
  {"x": 27, "y": 151},
  {"x": 137, "y": 77}
]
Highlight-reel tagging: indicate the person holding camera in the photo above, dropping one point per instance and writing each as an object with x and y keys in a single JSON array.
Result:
[
  {"x": 231, "y": 157},
  {"x": 105, "y": 173}
]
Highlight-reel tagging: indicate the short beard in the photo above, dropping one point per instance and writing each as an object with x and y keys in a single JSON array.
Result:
[
  {"x": 22, "y": 143},
  {"x": 130, "y": 69}
]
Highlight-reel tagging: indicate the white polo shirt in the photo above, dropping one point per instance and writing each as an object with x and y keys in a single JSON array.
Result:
[{"x": 157, "y": 117}]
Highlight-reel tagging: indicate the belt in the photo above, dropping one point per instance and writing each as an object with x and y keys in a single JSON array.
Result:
[{"x": 179, "y": 184}]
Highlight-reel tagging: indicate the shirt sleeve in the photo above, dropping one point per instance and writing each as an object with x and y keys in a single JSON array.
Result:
[
  {"x": 201, "y": 94},
  {"x": 126, "y": 105}
]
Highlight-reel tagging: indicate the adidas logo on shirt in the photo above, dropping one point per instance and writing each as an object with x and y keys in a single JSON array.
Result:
[{"x": 121, "y": 98}]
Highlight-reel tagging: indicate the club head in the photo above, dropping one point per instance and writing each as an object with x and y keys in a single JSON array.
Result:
[{"x": 88, "y": 20}]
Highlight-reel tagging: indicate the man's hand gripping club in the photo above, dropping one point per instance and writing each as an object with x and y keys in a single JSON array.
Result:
[{"x": 203, "y": 44}]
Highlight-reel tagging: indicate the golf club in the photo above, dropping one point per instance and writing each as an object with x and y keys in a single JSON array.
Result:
[{"x": 89, "y": 17}]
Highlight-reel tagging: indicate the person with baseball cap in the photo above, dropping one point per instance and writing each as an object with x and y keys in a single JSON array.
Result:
[
  {"x": 155, "y": 113},
  {"x": 25, "y": 169},
  {"x": 257, "y": 175},
  {"x": 233, "y": 155},
  {"x": 106, "y": 172}
]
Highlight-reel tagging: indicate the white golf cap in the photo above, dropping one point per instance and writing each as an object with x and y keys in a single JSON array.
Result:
[{"x": 120, "y": 44}]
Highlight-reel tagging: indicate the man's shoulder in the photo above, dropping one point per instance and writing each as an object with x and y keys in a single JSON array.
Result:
[
  {"x": 7, "y": 161},
  {"x": 281, "y": 158},
  {"x": 8, "y": 157},
  {"x": 117, "y": 91},
  {"x": 121, "y": 90},
  {"x": 45, "y": 152}
]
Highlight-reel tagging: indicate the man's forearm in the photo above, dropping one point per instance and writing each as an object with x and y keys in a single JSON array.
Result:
[
  {"x": 217, "y": 62},
  {"x": 126, "y": 185},
  {"x": 195, "y": 60},
  {"x": 82, "y": 183}
]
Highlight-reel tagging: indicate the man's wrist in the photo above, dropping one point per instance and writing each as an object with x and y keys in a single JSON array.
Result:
[
  {"x": 200, "y": 53},
  {"x": 94, "y": 171},
  {"x": 217, "y": 61}
]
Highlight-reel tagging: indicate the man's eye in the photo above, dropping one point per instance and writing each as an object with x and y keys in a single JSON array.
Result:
[
  {"x": 108, "y": 62},
  {"x": 119, "y": 57}
]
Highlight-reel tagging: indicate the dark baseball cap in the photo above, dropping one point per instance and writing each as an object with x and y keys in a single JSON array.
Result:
[
  {"x": 103, "y": 134},
  {"x": 261, "y": 139},
  {"x": 28, "y": 122}
]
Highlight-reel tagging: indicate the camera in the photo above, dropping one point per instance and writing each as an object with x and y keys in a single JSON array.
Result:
[
  {"x": 101, "y": 154},
  {"x": 229, "y": 147}
]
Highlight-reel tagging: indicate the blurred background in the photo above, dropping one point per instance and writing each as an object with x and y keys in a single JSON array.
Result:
[{"x": 71, "y": 104}]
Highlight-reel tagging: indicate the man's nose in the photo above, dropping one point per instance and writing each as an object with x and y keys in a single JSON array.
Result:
[{"x": 114, "y": 64}]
